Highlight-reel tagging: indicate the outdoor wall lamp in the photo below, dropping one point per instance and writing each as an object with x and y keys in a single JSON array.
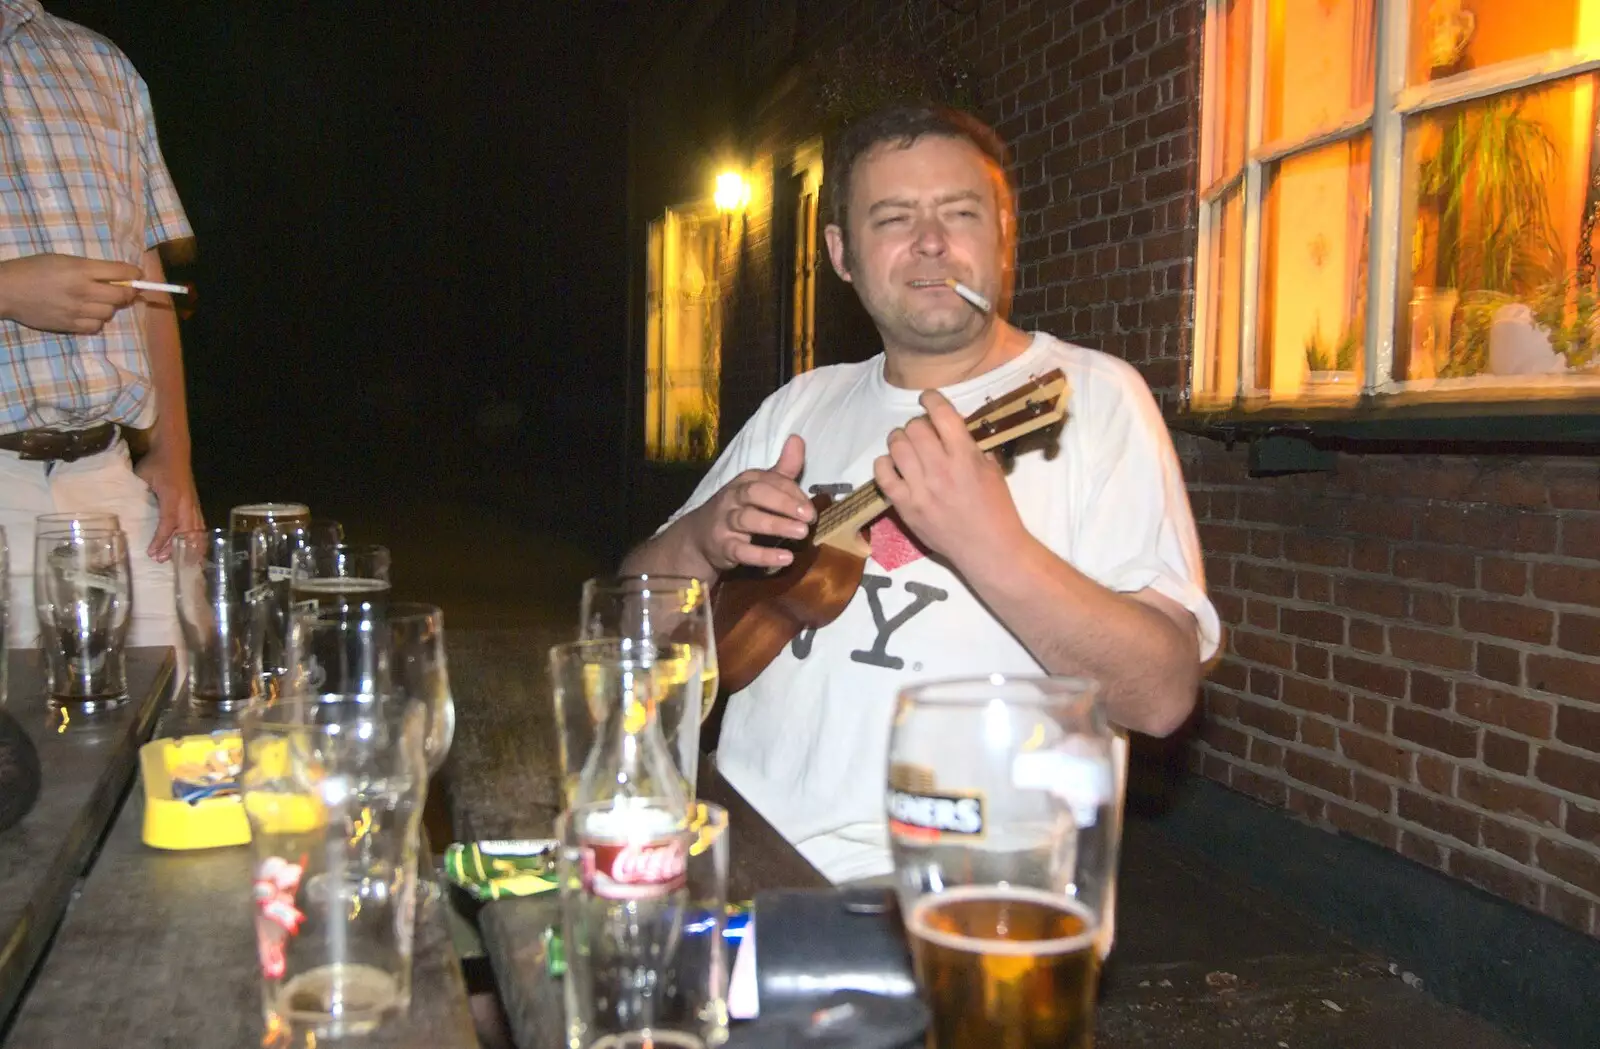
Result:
[{"x": 732, "y": 193}]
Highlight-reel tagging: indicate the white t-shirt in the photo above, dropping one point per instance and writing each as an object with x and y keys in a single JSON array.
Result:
[{"x": 807, "y": 742}]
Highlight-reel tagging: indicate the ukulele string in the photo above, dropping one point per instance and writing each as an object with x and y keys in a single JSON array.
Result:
[
  {"x": 981, "y": 425},
  {"x": 847, "y": 506},
  {"x": 867, "y": 493}
]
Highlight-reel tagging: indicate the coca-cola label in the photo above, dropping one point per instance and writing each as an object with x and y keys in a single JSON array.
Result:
[{"x": 635, "y": 870}]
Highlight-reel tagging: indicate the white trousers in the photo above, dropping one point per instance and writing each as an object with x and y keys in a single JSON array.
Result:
[{"x": 105, "y": 483}]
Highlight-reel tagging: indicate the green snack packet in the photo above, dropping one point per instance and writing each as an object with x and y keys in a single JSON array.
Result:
[{"x": 493, "y": 870}]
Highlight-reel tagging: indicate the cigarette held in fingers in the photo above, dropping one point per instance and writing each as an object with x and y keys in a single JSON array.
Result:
[
  {"x": 150, "y": 285},
  {"x": 967, "y": 293}
]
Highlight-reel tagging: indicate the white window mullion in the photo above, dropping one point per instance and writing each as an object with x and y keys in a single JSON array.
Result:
[
  {"x": 1203, "y": 347},
  {"x": 1341, "y": 132},
  {"x": 1254, "y": 191},
  {"x": 1383, "y": 222},
  {"x": 1514, "y": 75}
]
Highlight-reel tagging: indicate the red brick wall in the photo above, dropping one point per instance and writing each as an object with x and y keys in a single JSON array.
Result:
[
  {"x": 1413, "y": 641},
  {"x": 1412, "y": 659},
  {"x": 1413, "y": 651}
]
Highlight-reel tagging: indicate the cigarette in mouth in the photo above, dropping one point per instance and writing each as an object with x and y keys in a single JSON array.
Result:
[
  {"x": 150, "y": 285},
  {"x": 967, "y": 293}
]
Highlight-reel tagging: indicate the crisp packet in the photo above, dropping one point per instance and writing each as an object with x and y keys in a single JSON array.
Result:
[{"x": 493, "y": 870}]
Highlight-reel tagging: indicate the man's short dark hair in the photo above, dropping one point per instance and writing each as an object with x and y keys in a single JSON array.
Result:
[{"x": 902, "y": 125}]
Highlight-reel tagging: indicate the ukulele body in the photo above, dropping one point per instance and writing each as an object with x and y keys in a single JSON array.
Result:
[{"x": 756, "y": 613}]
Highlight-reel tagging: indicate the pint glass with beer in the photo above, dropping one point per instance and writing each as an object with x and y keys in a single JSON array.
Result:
[{"x": 1003, "y": 825}]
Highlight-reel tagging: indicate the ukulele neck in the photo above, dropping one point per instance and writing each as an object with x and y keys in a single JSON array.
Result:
[
  {"x": 1032, "y": 406},
  {"x": 841, "y": 523}
]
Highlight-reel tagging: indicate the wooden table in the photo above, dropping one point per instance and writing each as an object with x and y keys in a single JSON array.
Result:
[
  {"x": 1202, "y": 960},
  {"x": 87, "y": 765},
  {"x": 506, "y": 783},
  {"x": 158, "y": 950}
]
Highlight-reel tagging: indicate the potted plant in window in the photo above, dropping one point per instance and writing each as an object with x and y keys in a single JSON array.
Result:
[
  {"x": 1496, "y": 240},
  {"x": 1334, "y": 363}
]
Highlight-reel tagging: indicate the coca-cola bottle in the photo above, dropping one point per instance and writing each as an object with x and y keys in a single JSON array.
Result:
[{"x": 630, "y": 816}]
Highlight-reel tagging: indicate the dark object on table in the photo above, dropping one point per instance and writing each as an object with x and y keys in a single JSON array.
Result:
[
  {"x": 843, "y": 1020},
  {"x": 19, "y": 772},
  {"x": 815, "y": 942}
]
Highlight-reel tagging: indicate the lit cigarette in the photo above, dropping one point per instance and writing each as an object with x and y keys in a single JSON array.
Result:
[
  {"x": 150, "y": 285},
  {"x": 967, "y": 293}
]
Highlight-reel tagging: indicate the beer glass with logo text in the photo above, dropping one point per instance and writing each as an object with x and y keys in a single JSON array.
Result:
[{"x": 1002, "y": 822}]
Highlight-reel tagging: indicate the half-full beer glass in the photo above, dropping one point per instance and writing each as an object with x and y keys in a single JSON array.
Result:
[{"x": 1002, "y": 821}]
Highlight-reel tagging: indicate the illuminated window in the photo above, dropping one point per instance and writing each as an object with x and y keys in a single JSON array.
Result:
[
  {"x": 1398, "y": 198},
  {"x": 802, "y": 290},
  {"x": 683, "y": 335}
]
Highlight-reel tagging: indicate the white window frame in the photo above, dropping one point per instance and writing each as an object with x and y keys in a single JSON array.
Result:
[{"x": 1393, "y": 103}]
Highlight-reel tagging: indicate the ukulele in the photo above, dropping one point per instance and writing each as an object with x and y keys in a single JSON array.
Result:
[{"x": 758, "y": 611}]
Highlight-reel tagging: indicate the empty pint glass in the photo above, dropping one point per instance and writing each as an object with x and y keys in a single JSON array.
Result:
[
  {"x": 590, "y": 678},
  {"x": 83, "y": 593},
  {"x": 77, "y": 522},
  {"x": 658, "y": 609},
  {"x": 221, "y": 623},
  {"x": 1002, "y": 821},
  {"x": 334, "y": 790}
]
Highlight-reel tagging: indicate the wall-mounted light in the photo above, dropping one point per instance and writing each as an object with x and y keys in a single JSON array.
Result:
[{"x": 732, "y": 193}]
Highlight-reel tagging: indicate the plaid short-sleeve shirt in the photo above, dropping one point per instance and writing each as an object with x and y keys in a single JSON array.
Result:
[{"x": 81, "y": 173}]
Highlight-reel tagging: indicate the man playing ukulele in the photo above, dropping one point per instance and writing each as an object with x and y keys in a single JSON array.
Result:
[{"x": 1080, "y": 559}]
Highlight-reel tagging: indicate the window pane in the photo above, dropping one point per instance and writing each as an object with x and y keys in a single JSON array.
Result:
[
  {"x": 1501, "y": 215},
  {"x": 684, "y": 340},
  {"x": 1314, "y": 265},
  {"x": 1319, "y": 65},
  {"x": 1219, "y": 377},
  {"x": 1454, "y": 36},
  {"x": 1228, "y": 88}
]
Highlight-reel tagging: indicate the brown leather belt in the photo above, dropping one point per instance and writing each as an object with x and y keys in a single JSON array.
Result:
[{"x": 59, "y": 445}]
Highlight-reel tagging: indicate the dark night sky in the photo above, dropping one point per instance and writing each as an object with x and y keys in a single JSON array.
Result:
[{"x": 400, "y": 218}]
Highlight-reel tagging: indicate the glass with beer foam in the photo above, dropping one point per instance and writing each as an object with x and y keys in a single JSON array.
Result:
[{"x": 1003, "y": 823}]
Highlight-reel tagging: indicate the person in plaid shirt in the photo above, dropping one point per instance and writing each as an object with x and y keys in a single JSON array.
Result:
[{"x": 85, "y": 201}]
